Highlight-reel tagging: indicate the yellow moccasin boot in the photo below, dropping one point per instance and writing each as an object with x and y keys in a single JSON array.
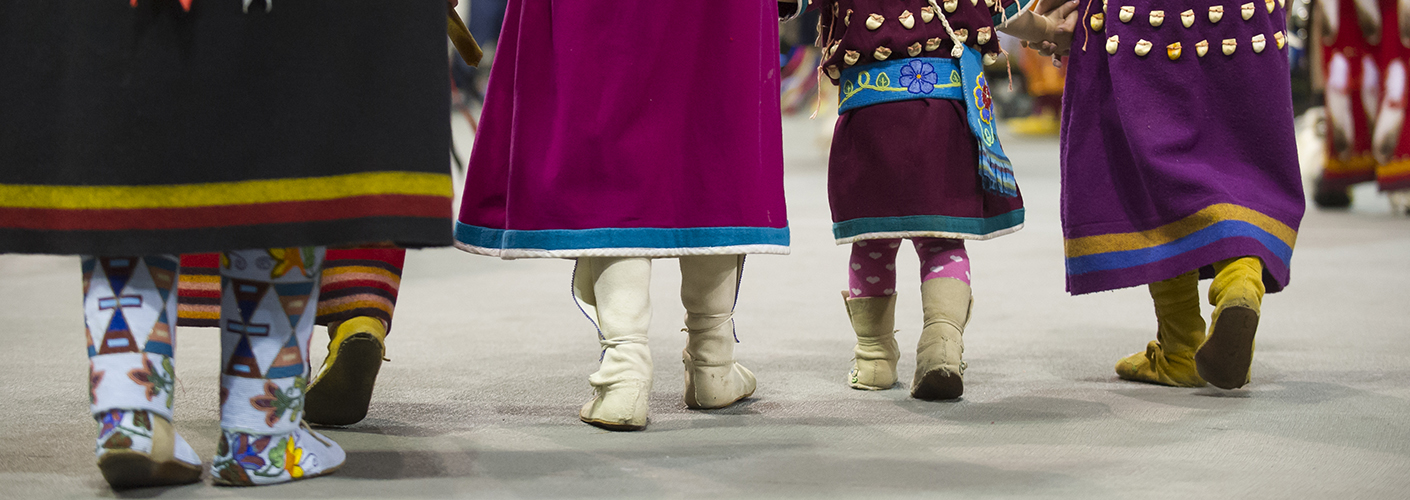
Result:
[
  {"x": 1170, "y": 359},
  {"x": 1226, "y": 358},
  {"x": 342, "y": 391}
]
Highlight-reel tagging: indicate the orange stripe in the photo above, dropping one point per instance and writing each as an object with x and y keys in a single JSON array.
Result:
[
  {"x": 354, "y": 302},
  {"x": 368, "y": 274}
]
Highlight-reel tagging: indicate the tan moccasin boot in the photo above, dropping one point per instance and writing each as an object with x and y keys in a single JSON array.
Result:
[
  {"x": 875, "y": 356},
  {"x": 939, "y": 355}
]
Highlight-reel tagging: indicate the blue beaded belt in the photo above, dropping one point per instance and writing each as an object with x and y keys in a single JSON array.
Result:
[{"x": 921, "y": 78}]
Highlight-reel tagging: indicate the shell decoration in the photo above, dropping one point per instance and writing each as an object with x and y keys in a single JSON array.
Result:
[
  {"x": 874, "y": 21},
  {"x": 1143, "y": 47}
]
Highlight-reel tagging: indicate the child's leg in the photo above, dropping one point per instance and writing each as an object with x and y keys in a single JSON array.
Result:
[
  {"x": 615, "y": 293},
  {"x": 945, "y": 298},
  {"x": 1170, "y": 358},
  {"x": 1237, "y": 295},
  {"x": 872, "y": 268},
  {"x": 871, "y": 306},
  {"x": 942, "y": 258},
  {"x": 268, "y": 303},
  {"x": 709, "y": 284},
  {"x": 129, "y": 306}
]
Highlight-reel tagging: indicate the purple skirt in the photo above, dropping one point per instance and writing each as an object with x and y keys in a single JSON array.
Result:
[
  {"x": 909, "y": 169},
  {"x": 1174, "y": 160},
  {"x": 629, "y": 128}
]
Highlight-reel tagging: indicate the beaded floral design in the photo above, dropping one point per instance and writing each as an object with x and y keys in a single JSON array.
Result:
[
  {"x": 276, "y": 402},
  {"x": 243, "y": 459},
  {"x": 919, "y": 77},
  {"x": 983, "y": 101}
]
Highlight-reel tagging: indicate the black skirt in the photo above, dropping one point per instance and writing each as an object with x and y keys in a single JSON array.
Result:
[{"x": 152, "y": 130}]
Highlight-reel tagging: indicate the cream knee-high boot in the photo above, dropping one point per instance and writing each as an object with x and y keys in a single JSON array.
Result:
[
  {"x": 615, "y": 294},
  {"x": 713, "y": 379},
  {"x": 875, "y": 356},
  {"x": 939, "y": 364}
]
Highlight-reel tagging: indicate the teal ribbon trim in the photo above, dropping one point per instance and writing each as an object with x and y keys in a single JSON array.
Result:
[
  {"x": 644, "y": 237},
  {"x": 974, "y": 226}
]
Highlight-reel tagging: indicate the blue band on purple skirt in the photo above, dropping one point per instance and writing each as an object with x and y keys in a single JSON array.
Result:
[
  {"x": 1222, "y": 230},
  {"x": 920, "y": 78}
]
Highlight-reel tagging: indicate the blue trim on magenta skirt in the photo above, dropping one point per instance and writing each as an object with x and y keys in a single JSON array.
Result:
[{"x": 584, "y": 239}]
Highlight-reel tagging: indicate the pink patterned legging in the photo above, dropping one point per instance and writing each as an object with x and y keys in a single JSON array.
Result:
[{"x": 872, "y": 270}]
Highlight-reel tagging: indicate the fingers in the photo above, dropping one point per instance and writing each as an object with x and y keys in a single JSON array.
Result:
[
  {"x": 1069, "y": 24},
  {"x": 1050, "y": 49},
  {"x": 1065, "y": 9}
]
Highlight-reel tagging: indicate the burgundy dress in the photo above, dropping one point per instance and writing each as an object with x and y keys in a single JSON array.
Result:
[{"x": 907, "y": 168}]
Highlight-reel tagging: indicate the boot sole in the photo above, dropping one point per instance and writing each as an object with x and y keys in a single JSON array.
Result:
[
  {"x": 938, "y": 385},
  {"x": 125, "y": 469},
  {"x": 691, "y": 403},
  {"x": 864, "y": 387},
  {"x": 612, "y": 426},
  {"x": 1225, "y": 358},
  {"x": 325, "y": 472},
  {"x": 341, "y": 396}
]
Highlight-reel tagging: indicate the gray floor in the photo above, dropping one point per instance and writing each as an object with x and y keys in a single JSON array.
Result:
[{"x": 490, "y": 359}]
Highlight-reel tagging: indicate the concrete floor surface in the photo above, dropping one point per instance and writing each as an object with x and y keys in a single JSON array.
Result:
[{"x": 490, "y": 359}]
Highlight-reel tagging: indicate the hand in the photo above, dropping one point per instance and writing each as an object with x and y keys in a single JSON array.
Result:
[
  {"x": 1055, "y": 26},
  {"x": 1058, "y": 42},
  {"x": 454, "y": 3},
  {"x": 1050, "y": 50},
  {"x": 1065, "y": 17},
  {"x": 1063, "y": 13}
]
